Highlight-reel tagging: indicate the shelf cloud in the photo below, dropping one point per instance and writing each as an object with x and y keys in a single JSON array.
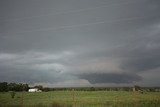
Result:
[{"x": 85, "y": 42}]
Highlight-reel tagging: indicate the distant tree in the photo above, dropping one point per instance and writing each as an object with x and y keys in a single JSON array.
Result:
[
  {"x": 3, "y": 86},
  {"x": 11, "y": 86},
  {"x": 25, "y": 87},
  {"x": 40, "y": 87},
  {"x": 136, "y": 88},
  {"x": 125, "y": 89},
  {"x": 17, "y": 87},
  {"x": 47, "y": 89},
  {"x": 92, "y": 89}
]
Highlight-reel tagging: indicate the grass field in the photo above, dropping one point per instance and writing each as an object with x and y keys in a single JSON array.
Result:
[{"x": 81, "y": 99}]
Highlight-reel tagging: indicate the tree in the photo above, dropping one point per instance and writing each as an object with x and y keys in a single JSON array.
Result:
[
  {"x": 136, "y": 88},
  {"x": 92, "y": 89},
  {"x": 25, "y": 87},
  {"x": 18, "y": 87},
  {"x": 40, "y": 87},
  {"x": 3, "y": 86}
]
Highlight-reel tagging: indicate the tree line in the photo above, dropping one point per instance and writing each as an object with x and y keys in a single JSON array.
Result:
[
  {"x": 5, "y": 87},
  {"x": 137, "y": 88}
]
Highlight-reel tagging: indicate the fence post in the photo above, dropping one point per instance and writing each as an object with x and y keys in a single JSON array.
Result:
[
  {"x": 22, "y": 100},
  {"x": 73, "y": 98}
]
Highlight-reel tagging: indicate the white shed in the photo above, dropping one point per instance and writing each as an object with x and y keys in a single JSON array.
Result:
[{"x": 34, "y": 90}]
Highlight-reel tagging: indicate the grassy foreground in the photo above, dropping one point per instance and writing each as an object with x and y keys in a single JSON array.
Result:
[{"x": 81, "y": 99}]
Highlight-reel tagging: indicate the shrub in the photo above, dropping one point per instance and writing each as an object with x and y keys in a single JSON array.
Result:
[{"x": 12, "y": 93}]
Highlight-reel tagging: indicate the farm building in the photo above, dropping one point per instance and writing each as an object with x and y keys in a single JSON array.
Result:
[{"x": 34, "y": 90}]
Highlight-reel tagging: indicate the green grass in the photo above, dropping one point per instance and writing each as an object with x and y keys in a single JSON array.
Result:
[{"x": 81, "y": 99}]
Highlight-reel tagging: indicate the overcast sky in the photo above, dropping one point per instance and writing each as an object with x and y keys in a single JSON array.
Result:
[{"x": 61, "y": 43}]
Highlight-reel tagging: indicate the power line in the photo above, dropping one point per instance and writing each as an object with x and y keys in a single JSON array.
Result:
[
  {"x": 82, "y": 25},
  {"x": 67, "y": 12}
]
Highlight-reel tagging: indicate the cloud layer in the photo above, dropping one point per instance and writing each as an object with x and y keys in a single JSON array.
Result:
[{"x": 85, "y": 42}]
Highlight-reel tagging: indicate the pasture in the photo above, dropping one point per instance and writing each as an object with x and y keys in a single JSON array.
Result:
[{"x": 81, "y": 99}]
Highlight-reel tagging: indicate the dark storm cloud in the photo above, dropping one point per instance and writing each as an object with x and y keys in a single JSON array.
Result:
[
  {"x": 22, "y": 74},
  {"x": 144, "y": 54},
  {"x": 104, "y": 41},
  {"x": 111, "y": 78}
]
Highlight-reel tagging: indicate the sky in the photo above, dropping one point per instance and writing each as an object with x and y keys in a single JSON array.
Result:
[{"x": 79, "y": 43}]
